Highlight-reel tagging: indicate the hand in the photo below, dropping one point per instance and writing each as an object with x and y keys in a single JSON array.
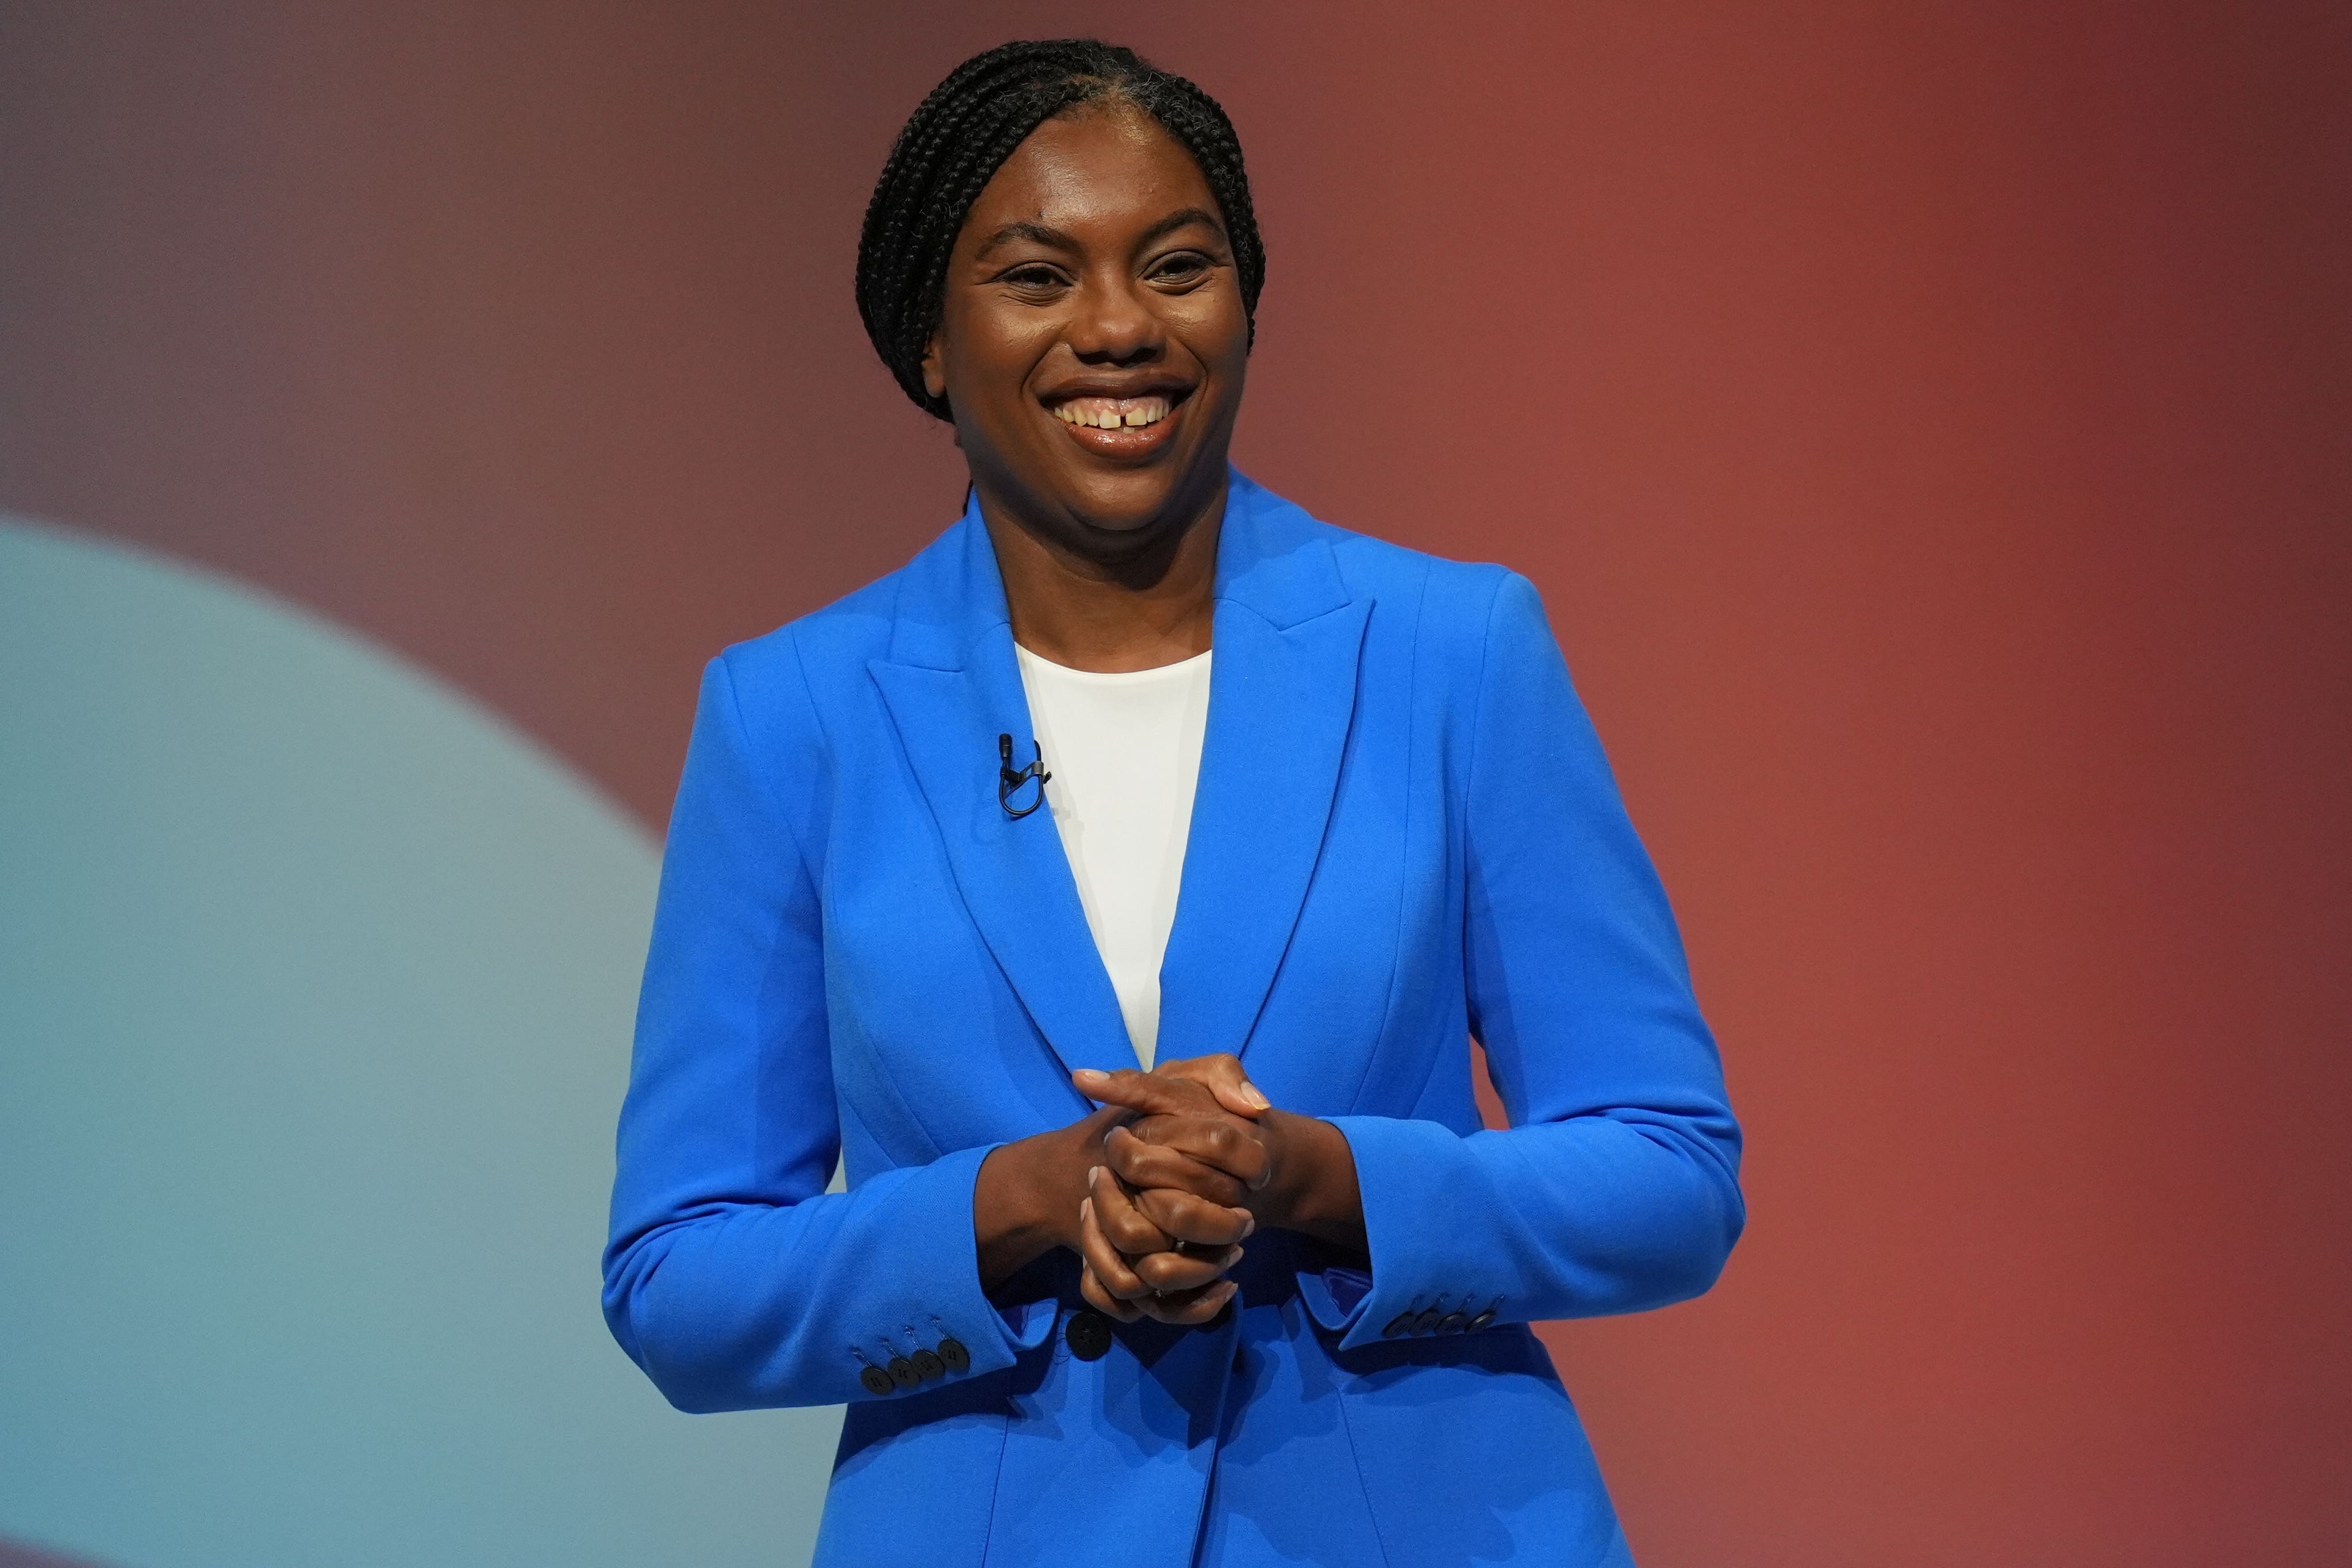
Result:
[
  {"x": 1034, "y": 1194},
  {"x": 1202, "y": 1120},
  {"x": 1202, "y": 1138},
  {"x": 1165, "y": 1216},
  {"x": 1025, "y": 1199},
  {"x": 1135, "y": 1270}
]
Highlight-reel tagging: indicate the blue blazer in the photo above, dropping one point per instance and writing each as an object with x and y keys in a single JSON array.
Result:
[{"x": 1404, "y": 831}]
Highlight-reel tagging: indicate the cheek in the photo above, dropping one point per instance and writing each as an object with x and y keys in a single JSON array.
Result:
[
  {"x": 1216, "y": 332},
  {"x": 988, "y": 359}
]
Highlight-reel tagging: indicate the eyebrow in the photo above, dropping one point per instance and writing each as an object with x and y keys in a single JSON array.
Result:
[{"x": 1054, "y": 240}]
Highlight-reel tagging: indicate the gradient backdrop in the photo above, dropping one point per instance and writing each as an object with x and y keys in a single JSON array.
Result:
[{"x": 1930, "y": 427}]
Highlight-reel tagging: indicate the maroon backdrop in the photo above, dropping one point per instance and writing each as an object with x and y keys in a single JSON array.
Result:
[{"x": 1931, "y": 427}]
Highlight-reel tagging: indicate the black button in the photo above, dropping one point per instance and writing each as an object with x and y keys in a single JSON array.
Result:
[
  {"x": 1089, "y": 1335},
  {"x": 952, "y": 1351},
  {"x": 1400, "y": 1325},
  {"x": 1481, "y": 1319},
  {"x": 1453, "y": 1322},
  {"x": 902, "y": 1371},
  {"x": 1427, "y": 1323},
  {"x": 876, "y": 1380},
  {"x": 928, "y": 1367}
]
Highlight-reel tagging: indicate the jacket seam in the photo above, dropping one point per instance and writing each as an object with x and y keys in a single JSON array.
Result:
[
  {"x": 1469, "y": 802},
  {"x": 1397, "y": 965},
  {"x": 996, "y": 1486},
  {"x": 1355, "y": 1458},
  {"x": 767, "y": 789},
  {"x": 1479, "y": 707}
]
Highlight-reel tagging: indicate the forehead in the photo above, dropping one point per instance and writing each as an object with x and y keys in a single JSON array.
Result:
[{"x": 1100, "y": 168}]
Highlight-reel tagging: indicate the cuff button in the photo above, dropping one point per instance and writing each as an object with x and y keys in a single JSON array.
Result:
[
  {"x": 928, "y": 1365},
  {"x": 876, "y": 1380},
  {"x": 1427, "y": 1323},
  {"x": 902, "y": 1371},
  {"x": 953, "y": 1353},
  {"x": 1481, "y": 1319},
  {"x": 1400, "y": 1325},
  {"x": 1453, "y": 1322}
]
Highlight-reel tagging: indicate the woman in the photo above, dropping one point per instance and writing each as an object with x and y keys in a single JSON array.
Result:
[{"x": 1313, "y": 804}]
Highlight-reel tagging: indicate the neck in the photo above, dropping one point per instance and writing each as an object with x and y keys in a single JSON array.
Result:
[{"x": 1137, "y": 611}]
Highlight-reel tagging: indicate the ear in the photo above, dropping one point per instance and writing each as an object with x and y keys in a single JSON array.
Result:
[{"x": 935, "y": 373}]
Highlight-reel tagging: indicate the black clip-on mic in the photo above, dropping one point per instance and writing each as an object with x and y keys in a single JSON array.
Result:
[{"x": 1009, "y": 781}]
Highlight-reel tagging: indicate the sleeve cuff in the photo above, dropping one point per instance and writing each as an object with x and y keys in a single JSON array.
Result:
[
  {"x": 1334, "y": 1295},
  {"x": 947, "y": 1313},
  {"x": 1433, "y": 1267}
]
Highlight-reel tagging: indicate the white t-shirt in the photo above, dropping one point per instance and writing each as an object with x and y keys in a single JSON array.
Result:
[{"x": 1125, "y": 753}]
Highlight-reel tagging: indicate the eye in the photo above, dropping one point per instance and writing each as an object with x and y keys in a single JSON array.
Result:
[
  {"x": 1184, "y": 267},
  {"x": 1034, "y": 277}
]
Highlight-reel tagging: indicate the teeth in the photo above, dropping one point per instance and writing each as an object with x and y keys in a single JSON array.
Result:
[{"x": 1112, "y": 412}]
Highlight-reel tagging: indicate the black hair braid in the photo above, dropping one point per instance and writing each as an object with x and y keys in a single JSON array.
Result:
[{"x": 961, "y": 135}]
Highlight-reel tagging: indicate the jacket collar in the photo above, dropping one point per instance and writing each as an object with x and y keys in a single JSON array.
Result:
[{"x": 1287, "y": 636}]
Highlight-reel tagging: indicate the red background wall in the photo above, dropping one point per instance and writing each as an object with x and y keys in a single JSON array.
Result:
[{"x": 1931, "y": 427}]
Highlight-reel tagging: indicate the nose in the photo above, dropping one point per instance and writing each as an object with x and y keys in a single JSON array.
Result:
[{"x": 1113, "y": 323}]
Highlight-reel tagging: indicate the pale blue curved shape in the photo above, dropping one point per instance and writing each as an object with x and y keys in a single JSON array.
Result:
[{"x": 315, "y": 992}]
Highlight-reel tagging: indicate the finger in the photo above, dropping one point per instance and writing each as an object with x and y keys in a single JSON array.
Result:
[
  {"x": 1194, "y": 1308},
  {"x": 1103, "y": 1301},
  {"x": 1116, "y": 1216},
  {"x": 1140, "y": 1163},
  {"x": 1142, "y": 1091},
  {"x": 1183, "y": 1217},
  {"x": 1109, "y": 1266},
  {"x": 1222, "y": 1076},
  {"x": 1175, "y": 1273},
  {"x": 1226, "y": 1143}
]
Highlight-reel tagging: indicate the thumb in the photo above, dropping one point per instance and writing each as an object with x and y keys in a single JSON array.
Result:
[{"x": 1223, "y": 1076}]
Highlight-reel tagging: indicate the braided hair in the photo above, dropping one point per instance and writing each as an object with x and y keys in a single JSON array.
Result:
[{"x": 954, "y": 143}]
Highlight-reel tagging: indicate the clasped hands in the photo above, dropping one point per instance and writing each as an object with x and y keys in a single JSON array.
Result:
[
  {"x": 1166, "y": 1212},
  {"x": 1157, "y": 1190}
]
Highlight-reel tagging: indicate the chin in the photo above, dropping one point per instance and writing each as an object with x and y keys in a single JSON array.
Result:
[{"x": 1122, "y": 503}]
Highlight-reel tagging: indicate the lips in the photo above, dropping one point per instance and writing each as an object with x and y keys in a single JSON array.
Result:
[{"x": 1120, "y": 422}]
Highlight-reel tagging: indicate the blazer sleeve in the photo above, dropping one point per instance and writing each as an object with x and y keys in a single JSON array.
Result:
[
  {"x": 1616, "y": 1186},
  {"x": 732, "y": 1276}
]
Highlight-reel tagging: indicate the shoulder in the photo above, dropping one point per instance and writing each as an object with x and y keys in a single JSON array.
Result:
[
  {"x": 1451, "y": 609},
  {"x": 811, "y": 652},
  {"x": 922, "y": 612},
  {"x": 794, "y": 691}
]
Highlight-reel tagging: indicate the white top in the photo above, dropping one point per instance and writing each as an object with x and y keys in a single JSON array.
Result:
[{"x": 1125, "y": 754}]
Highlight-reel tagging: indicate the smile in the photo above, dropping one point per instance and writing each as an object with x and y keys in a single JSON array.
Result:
[
  {"x": 1123, "y": 430},
  {"x": 1112, "y": 412}
]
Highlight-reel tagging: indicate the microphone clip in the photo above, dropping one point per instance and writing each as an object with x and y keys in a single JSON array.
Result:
[{"x": 1009, "y": 779}]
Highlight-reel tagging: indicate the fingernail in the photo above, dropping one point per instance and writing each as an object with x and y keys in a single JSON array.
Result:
[
  {"x": 1249, "y": 1224},
  {"x": 1085, "y": 1208},
  {"x": 1092, "y": 1172},
  {"x": 1085, "y": 1074},
  {"x": 1250, "y": 1093}
]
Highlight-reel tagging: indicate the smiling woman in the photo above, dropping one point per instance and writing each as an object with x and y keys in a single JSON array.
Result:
[
  {"x": 1091, "y": 346},
  {"x": 1171, "y": 1235}
]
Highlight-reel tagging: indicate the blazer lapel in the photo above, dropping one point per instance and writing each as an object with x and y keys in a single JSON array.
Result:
[
  {"x": 951, "y": 686},
  {"x": 1282, "y": 696},
  {"x": 1282, "y": 693}
]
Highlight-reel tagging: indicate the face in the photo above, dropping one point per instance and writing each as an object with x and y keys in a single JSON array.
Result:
[{"x": 1092, "y": 337}]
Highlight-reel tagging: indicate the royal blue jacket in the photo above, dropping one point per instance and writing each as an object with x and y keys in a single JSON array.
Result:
[{"x": 1404, "y": 832}]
